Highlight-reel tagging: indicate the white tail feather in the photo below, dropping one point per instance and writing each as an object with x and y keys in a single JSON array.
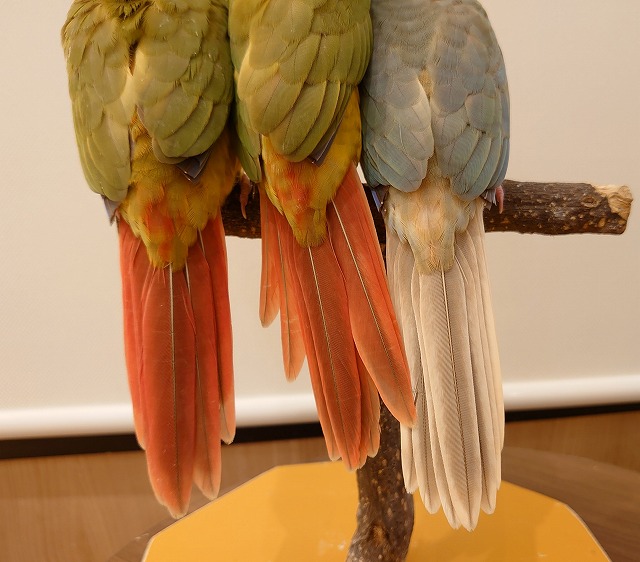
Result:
[
  {"x": 453, "y": 453},
  {"x": 432, "y": 453},
  {"x": 476, "y": 230},
  {"x": 396, "y": 276},
  {"x": 481, "y": 370}
]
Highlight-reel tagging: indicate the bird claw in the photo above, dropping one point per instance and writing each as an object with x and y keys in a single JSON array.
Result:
[
  {"x": 245, "y": 190},
  {"x": 500, "y": 198}
]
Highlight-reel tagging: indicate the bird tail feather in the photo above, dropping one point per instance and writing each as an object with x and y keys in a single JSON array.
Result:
[
  {"x": 178, "y": 351},
  {"x": 338, "y": 294},
  {"x": 452, "y": 454}
]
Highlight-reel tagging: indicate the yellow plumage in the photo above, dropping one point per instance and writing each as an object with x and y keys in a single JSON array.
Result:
[
  {"x": 302, "y": 190},
  {"x": 166, "y": 209}
]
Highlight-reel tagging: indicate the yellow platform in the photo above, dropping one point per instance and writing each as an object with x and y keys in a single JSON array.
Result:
[{"x": 307, "y": 512}]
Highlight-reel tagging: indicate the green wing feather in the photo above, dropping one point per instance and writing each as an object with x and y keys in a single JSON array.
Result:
[
  {"x": 297, "y": 63},
  {"x": 96, "y": 47},
  {"x": 247, "y": 139},
  {"x": 183, "y": 76},
  {"x": 169, "y": 60}
]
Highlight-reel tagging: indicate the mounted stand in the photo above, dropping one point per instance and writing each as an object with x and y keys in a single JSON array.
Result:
[{"x": 385, "y": 510}]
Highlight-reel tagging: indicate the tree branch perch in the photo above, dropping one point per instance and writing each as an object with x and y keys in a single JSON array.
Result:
[
  {"x": 529, "y": 208},
  {"x": 561, "y": 208}
]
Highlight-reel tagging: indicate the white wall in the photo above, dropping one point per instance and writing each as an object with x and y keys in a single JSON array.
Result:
[{"x": 568, "y": 309}]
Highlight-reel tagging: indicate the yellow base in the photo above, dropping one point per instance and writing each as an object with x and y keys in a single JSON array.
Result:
[{"x": 307, "y": 512}]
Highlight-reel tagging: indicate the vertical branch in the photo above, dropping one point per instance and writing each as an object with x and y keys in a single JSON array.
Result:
[{"x": 385, "y": 509}]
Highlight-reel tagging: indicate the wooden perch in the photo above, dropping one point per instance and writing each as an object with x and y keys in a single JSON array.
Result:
[
  {"x": 529, "y": 208},
  {"x": 561, "y": 208},
  {"x": 385, "y": 510}
]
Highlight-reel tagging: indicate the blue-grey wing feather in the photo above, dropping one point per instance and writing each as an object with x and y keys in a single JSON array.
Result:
[
  {"x": 469, "y": 100},
  {"x": 396, "y": 120},
  {"x": 438, "y": 89}
]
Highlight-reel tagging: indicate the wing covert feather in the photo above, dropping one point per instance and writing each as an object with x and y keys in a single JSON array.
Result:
[
  {"x": 97, "y": 54},
  {"x": 297, "y": 63},
  {"x": 468, "y": 80},
  {"x": 168, "y": 60},
  {"x": 438, "y": 88},
  {"x": 183, "y": 76}
]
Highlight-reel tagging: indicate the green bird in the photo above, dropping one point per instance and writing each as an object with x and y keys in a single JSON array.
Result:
[
  {"x": 298, "y": 65},
  {"x": 151, "y": 85},
  {"x": 435, "y": 113}
]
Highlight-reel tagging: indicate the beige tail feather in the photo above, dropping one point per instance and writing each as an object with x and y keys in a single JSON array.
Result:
[
  {"x": 459, "y": 444},
  {"x": 476, "y": 229}
]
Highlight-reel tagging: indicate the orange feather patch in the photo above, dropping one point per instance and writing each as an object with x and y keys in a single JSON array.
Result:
[
  {"x": 373, "y": 323},
  {"x": 179, "y": 361}
]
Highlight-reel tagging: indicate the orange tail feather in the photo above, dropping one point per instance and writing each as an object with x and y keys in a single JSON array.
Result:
[
  {"x": 168, "y": 386},
  {"x": 347, "y": 321},
  {"x": 294, "y": 296},
  {"x": 206, "y": 472},
  {"x": 130, "y": 247},
  {"x": 276, "y": 293},
  {"x": 333, "y": 450},
  {"x": 215, "y": 252},
  {"x": 178, "y": 349},
  {"x": 318, "y": 290},
  {"x": 269, "y": 278},
  {"x": 373, "y": 322},
  {"x": 370, "y": 442}
]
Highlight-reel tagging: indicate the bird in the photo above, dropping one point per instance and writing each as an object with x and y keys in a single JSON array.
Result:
[
  {"x": 297, "y": 66},
  {"x": 151, "y": 87},
  {"x": 435, "y": 119}
]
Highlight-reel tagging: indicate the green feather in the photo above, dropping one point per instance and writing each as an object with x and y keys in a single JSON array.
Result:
[{"x": 290, "y": 55}]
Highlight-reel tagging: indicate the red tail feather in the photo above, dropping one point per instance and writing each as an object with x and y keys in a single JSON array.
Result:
[
  {"x": 215, "y": 252},
  {"x": 132, "y": 283},
  {"x": 207, "y": 400},
  {"x": 178, "y": 349},
  {"x": 283, "y": 233},
  {"x": 269, "y": 279},
  {"x": 370, "y": 442},
  {"x": 348, "y": 324},
  {"x": 333, "y": 449},
  {"x": 276, "y": 292},
  {"x": 325, "y": 300},
  {"x": 168, "y": 386},
  {"x": 373, "y": 321}
]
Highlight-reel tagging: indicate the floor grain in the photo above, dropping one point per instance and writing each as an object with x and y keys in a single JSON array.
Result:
[
  {"x": 86, "y": 508},
  {"x": 612, "y": 438}
]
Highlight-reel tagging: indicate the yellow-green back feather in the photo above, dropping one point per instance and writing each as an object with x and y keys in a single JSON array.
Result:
[
  {"x": 183, "y": 75},
  {"x": 96, "y": 45},
  {"x": 297, "y": 63},
  {"x": 166, "y": 60}
]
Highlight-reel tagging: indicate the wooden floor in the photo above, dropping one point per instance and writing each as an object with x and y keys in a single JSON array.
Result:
[{"x": 86, "y": 507}]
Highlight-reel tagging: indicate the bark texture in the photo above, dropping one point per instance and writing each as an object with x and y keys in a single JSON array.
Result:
[
  {"x": 385, "y": 509},
  {"x": 529, "y": 208}
]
